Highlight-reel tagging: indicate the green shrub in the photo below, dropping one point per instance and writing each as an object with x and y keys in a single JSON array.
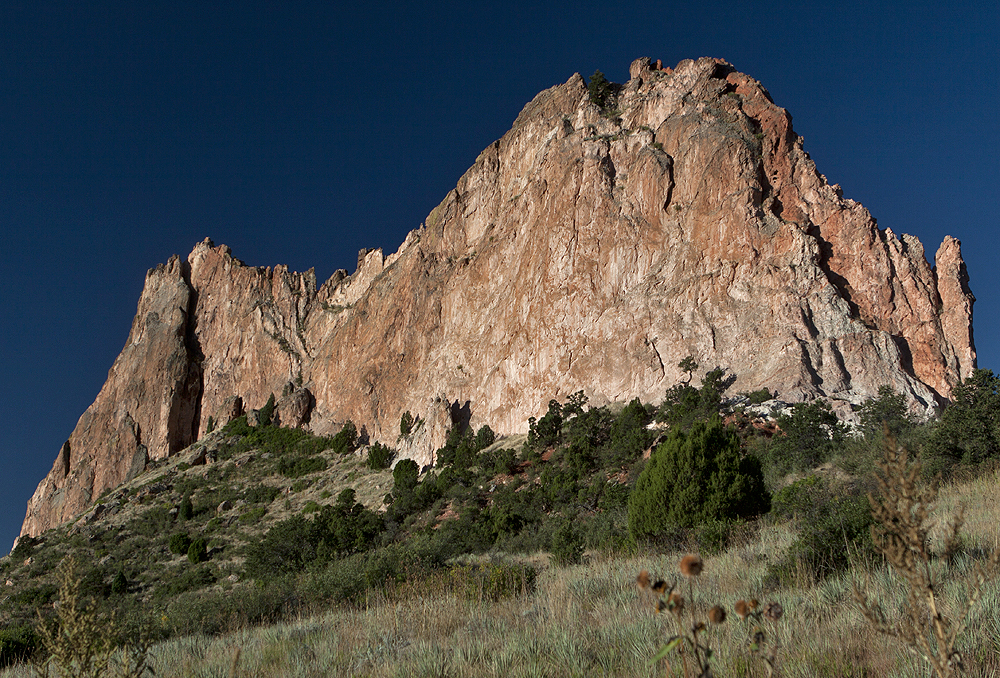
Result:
[
  {"x": 693, "y": 478},
  {"x": 346, "y": 440},
  {"x": 198, "y": 550},
  {"x": 628, "y": 436},
  {"x": 509, "y": 514},
  {"x": 460, "y": 450},
  {"x": 969, "y": 428},
  {"x": 812, "y": 433},
  {"x": 35, "y": 596},
  {"x": 17, "y": 644},
  {"x": 547, "y": 431},
  {"x": 25, "y": 545},
  {"x": 834, "y": 526},
  {"x": 260, "y": 494},
  {"x": 298, "y": 466},
  {"x": 684, "y": 404},
  {"x": 505, "y": 462},
  {"x": 186, "y": 511},
  {"x": 485, "y": 437},
  {"x": 253, "y": 516},
  {"x": 380, "y": 457},
  {"x": 602, "y": 92},
  {"x": 119, "y": 585},
  {"x": 607, "y": 530},
  {"x": 287, "y": 547},
  {"x": 567, "y": 544},
  {"x": 180, "y": 543},
  {"x": 830, "y": 539},
  {"x": 887, "y": 409},
  {"x": 238, "y": 427},
  {"x": 406, "y": 424},
  {"x": 336, "y": 531},
  {"x": 404, "y": 477},
  {"x": 153, "y": 522},
  {"x": 266, "y": 413},
  {"x": 798, "y": 499}
]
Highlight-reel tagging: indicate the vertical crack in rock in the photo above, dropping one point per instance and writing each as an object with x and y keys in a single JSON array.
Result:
[{"x": 194, "y": 381}]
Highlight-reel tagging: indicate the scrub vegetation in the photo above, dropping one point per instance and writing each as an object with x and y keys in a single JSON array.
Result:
[{"x": 296, "y": 555}]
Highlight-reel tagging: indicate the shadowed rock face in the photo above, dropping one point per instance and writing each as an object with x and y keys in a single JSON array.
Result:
[{"x": 580, "y": 252}]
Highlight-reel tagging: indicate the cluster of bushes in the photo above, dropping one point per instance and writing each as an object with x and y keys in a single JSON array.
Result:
[
  {"x": 196, "y": 549},
  {"x": 17, "y": 643},
  {"x": 335, "y": 531},
  {"x": 580, "y": 481},
  {"x": 380, "y": 457}
]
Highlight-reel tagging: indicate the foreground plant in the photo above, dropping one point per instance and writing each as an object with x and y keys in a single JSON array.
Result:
[
  {"x": 750, "y": 611},
  {"x": 901, "y": 534},
  {"x": 80, "y": 641},
  {"x": 689, "y": 639}
]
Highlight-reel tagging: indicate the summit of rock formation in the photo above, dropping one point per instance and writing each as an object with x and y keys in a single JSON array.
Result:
[{"x": 588, "y": 249}]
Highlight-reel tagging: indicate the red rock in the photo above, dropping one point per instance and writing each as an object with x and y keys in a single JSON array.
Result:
[{"x": 579, "y": 252}]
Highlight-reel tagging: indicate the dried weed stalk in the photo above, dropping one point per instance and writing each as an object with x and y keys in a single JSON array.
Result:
[
  {"x": 901, "y": 533},
  {"x": 81, "y": 641},
  {"x": 689, "y": 641},
  {"x": 751, "y": 612}
]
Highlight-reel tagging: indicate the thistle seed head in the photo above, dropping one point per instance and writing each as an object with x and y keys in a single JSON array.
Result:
[
  {"x": 773, "y": 611},
  {"x": 691, "y": 565},
  {"x": 717, "y": 615}
]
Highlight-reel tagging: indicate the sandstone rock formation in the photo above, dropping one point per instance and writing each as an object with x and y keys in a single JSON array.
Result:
[{"x": 585, "y": 250}]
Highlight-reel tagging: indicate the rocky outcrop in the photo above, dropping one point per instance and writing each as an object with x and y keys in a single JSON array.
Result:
[
  {"x": 588, "y": 250},
  {"x": 148, "y": 405}
]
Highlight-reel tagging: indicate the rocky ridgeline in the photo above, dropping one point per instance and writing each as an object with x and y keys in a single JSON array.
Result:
[{"x": 588, "y": 249}]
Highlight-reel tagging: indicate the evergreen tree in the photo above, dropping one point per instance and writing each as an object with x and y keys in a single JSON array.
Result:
[
  {"x": 887, "y": 409},
  {"x": 969, "y": 428},
  {"x": 694, "y": 477}
]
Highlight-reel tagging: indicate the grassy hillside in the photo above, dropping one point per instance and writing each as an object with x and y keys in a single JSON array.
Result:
[
  {"x": 591, "y": 619},
  {"x": 518, "y": 556}
]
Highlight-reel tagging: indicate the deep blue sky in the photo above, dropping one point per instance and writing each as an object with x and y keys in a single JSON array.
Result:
[{"x": 298, "y": 133}]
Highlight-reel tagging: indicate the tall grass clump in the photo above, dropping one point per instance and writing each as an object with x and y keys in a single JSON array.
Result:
[
  {"x": 901, "y": 533},
  {"x": 81, "y": 641}
]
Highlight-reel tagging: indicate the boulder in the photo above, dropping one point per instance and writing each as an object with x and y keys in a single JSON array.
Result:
[{"x": 293, "y": 408}]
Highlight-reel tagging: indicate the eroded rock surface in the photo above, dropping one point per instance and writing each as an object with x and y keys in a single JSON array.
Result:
[{"x": 585, "y": 250}]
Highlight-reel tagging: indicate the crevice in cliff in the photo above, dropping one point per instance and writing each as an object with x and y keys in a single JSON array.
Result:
[
  {"x": 63, "y": 462},
  {"x": 659, "y": 358},
  {"x": 839, "y": 282},
  {"x": 461, "y": 415},
  {"x": 905, "y": 355},
  {"x": 196, "y": 356}
]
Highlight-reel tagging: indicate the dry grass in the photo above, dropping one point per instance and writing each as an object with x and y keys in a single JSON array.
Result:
[
  {"x": 592, "y": 620},
  {"x": 80, "y": 641},
  {"x": 581, "y": 621},
  {"x": 926, "y": 625}
]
